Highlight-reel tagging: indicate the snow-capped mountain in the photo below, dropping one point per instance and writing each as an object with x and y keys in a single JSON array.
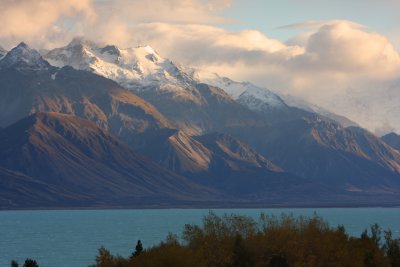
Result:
[
  {"x": 246, "y": 93},
  {"x": 264, "y": 100},
  {"x": 142, "y": 67},
  {"x": 134, "y": 67},
  {"x": 188, "y": 103},
  {"x": 152, "y": 77},
  {"x": 22, "y": 57}
]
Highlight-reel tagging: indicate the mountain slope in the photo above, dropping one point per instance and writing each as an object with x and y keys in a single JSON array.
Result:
[
  {"x": 392, "y": 139},
  {"x": 254, "y": 97},
  {"x": 235, "y": 154},
  {"x": 18, "y": 190},
  {"x": 185, "y": 154},
  {"x": 229, "y": 166},
  {"x": 73, "y": 154},
  {"x": 212, "y": 111}
]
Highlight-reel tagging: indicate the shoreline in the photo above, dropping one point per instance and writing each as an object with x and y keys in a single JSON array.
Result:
[{"x": 205, "y": 207}]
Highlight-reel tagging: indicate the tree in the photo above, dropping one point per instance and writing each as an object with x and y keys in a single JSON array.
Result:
[
  {"x": 138, "y": 249},
  {"x": 376, "y": 234},
  {"x": 14, "y": 263},
  {"x": 278, "y": 261},
  {"x": 106, "y": 259},
  {"x": 30, "y": 263},
  {"x": 392, "y": 249}
]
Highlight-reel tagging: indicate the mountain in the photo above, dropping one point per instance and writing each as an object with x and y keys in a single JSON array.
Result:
[
  {"x": 212, "y": 111},
  {"x": 229, "y": 166},
  {"x": 392, "y": 139},
  {"x": 206, "y": 137},
  {"x": 185, "y": 154},
  {"x": 261, "y": 99},
  {"x": 23, "y": 57},
  {"x": 69, "y": 154},
  {"x": 312, "y": 147},
  {"x": 190, "y": 105},
  {"x": 27, "y": 87},
  {"x": 167, "y": 85},
  {"x": 129, "y": 67},
  {"x": 235, "y": 154},
  {"x": 251, "y": 96}
]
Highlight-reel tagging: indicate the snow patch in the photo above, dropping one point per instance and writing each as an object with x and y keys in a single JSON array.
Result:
[{"x": 248, "y": 94}]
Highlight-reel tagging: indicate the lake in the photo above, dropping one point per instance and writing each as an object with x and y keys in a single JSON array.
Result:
[{"x": 71, "y": 237}]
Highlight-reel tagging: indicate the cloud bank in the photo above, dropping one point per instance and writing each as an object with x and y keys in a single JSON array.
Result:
[{"x": 329, "y": 63}]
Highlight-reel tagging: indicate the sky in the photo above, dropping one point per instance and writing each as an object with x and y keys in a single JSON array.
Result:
[
  {"x": 341, "y": 55},
  {"x": 269, "y": 16}
]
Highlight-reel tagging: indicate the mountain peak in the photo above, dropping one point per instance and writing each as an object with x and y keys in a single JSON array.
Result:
[
  {"x": 128, "y": 66},
  {"x": 23, "y": 57},
  {"x": 81, "y": 41},
  {"x": 22, "y": 45}
]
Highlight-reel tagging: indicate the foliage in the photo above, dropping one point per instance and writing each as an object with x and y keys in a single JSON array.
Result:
[
  {"x": 105, "y": 259},
  {"x": 233, "y": 241},
  {"x": 14, "y": 263},
  {"x": 30, "y": 263}
]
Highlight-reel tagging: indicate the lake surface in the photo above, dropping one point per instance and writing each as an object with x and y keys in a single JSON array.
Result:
[{"x": 71, "y": 238}]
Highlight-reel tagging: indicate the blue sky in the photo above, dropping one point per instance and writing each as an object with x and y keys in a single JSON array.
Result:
[{"x": 267, "y": 16}]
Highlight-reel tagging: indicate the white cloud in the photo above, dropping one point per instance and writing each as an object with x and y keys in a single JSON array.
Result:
[
  {"x": 32, "y": 20},
  {"x": 48, "y": 23},
  {"x": 344, "y": 47}
]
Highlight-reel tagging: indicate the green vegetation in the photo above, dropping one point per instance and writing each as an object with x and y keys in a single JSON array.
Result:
[{"x": 240, "y": 241}]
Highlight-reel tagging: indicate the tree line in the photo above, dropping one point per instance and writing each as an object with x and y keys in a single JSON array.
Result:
[{"x": 285, "y": 241}]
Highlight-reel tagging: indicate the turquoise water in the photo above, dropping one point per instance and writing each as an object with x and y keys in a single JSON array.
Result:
[{"x": 71, "y": 238}]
